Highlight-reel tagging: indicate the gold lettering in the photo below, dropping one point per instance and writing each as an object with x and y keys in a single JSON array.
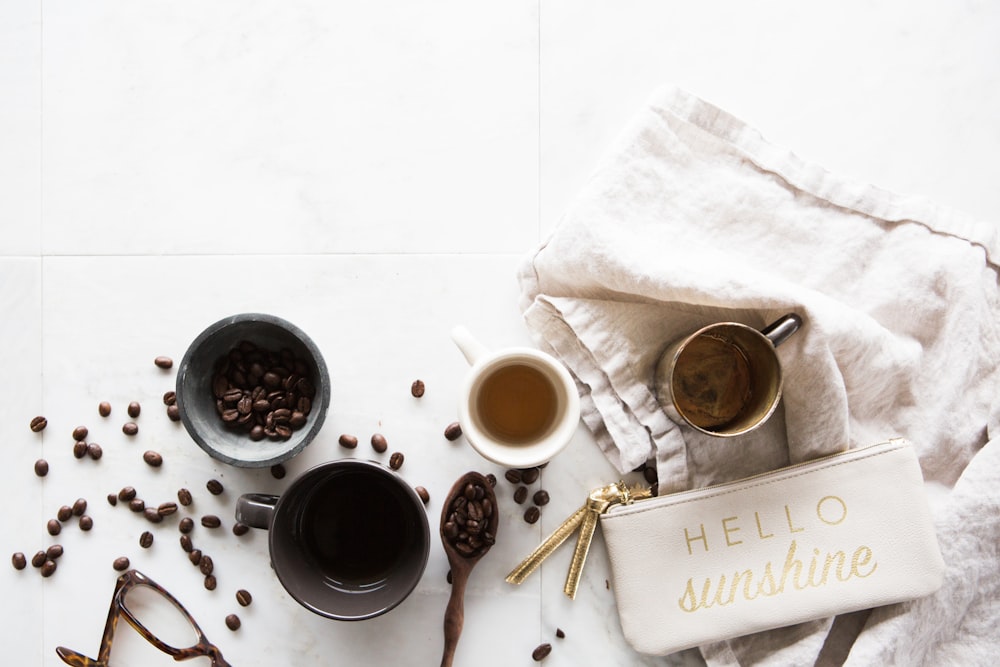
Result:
[
  {"x": 768, "y": 587},
  {"x": 705, "y": 590},
  {"x": 760, "y": 531},
  {"x": 791, "y": 563},
  {"x": 687, "y": 602},
  {"x": 823, "y": 518},
  {"x": 839, "y": 555},
  {"x": 726, "y": 529},
  {"x": 701, "y": 537},
  {"x": 791, "y": 528},
  {"x": 812, "y": 570},
  {"x": 862, "y": 556},
  {"x": 747, "y": 576},
  {"x": 717, "y": 600}
]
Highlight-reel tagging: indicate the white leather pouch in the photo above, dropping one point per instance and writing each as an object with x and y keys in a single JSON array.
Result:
[{"x": 838, "y": 534}]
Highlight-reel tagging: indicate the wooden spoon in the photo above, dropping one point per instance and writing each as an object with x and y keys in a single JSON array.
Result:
[{"x": 461, "y": 563}]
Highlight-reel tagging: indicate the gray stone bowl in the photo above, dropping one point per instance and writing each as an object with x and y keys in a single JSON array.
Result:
[{"x": 197, "y": 403}]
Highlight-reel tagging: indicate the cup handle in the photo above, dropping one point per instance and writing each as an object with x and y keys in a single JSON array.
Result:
[
  {"x": 470, "y": 347},
  {"x": 779, "y": 331},
  {"x": 256, "y": 509}
]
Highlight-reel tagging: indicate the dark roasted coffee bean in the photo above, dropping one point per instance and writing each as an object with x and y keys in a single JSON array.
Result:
[
  {"x": 166, "y": 509},
  {"x": 41, "y": 467},
  {"x": 423, "y": 495},
  {"x": 233, "y": 622},
  {"x": 19, "y": 562},
  {"x": 649, "y": 474},
  {"x": 257, "y": 433},
  {"x": 531, "y": 514},
  {"x": 469, "y": 491},
  {"x": 174, "y": 413},
  {"x": 186, "y": 543},
  {"x": 152, "y": 515},
  {"x": 80, "y": 506},
  {"x": 529, "y": 475},
  {"x": 126, "y": 494},
  {"x": 48, "y": 568},
  {"x": 417, "y": 388},
  {"x": 54, "y": 527},
  {"x": 541, "y": 652},
  {"x": 453, "y": 431},
  {"x": 38, "y": 559},
  {"x": 195, "y": 556},
  {"x": 80, "y": 433},
  {"x": 94, "y": 451},
  {"x": 242, "y": 596},
  {"x": 137, "y": 505},
  {"x": 560, "y": 634},
  {"x": 379, "y": 443},
  {"x": 79, "y": 449},
  {"x": 541, "y": 497},
  {"x": 278, "y": 471},
  {"x": 163, "y": 362},
  {"x": 396, "y": 460},
  {"x": 186, "y": 525},
  {"x": 152, "y": 458},
  {"x": 170, "y": 398},
  {"x": 214, "y": 487},
  {"x": 86, "y": 523},
  {"x": 348, "y": 441},
  {"x": 492, "y": 479},
  {"x": 54, "y": 552},
  {"x": 184, "y": 497},
  {"x": 64, "y": 513},
  {"x": 206, "y": 565},
  {"x": 104, "y": 408},
  {"x": 146, "y": 539},
  {"x": 211, "y": 521},
  {"x": 130, "y": 428},
  {"x": 112, "y": 499},
  {"x": 121, "y": 563},
  {"x": 520, "y": 494},
  {"x": 134, "y": 409},
  {"x": 39, "y": 423},
  {"x": 451, "y": 530},
  {"x": 513, "y": 476},
  {"x": 210, "y": 582},
  {"x": 240, "y": 529}
]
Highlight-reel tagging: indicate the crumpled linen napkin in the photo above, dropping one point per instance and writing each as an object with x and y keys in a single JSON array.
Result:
[{"x": 694, "y": 218}]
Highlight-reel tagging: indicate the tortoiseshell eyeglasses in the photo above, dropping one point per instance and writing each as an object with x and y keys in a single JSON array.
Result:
[{"x": 180, "y": 637}]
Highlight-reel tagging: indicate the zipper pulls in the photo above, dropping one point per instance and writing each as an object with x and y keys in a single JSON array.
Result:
[{"x": 585, "y": 519}]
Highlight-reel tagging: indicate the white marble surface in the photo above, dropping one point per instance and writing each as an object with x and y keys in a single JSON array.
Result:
[{"x": 375, "y": 173}]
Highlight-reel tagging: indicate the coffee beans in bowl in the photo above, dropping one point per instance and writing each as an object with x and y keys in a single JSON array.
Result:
[{"x": 252, "y": 390}]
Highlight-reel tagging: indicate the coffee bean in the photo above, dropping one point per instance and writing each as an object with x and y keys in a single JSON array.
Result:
[
  {"x": 453, "y": 431},
  {"x": 541, "y": 497},
  {"x": 64, "y": 513},
  {"x": 112, "y": 499},
  {"x": 214, "y": 487},
  {"x": 126, "y": 494},
  {"x": 531, "y": 514},
  {"x": 348, "y": 441},
  {"x": 520, "y": 494},
  {"x": 86, "y": 523},
  {"x": 492, "y": 479},
  {"x": 54, "y": 552},
  {"x": 130, "y": 428},
  {"x": 529, "y": 475},
  {"x": 173, "y": 413},
  {"x": 146, "y": 539},
  {"x": 163, "y": 362},
  {"x": 121, "y": 563},
  {"x": 423, "y": 495},
  {"x": 211, "y": 521},
  {"x": 184, "y": 497},
  {"x": 210, "y": 582},
  {"x": 38, "y": 559},
  {"x": 417, "y": 388},
  {"x": 79, "y": 449},
  {"x": 541, "y": 652},
  {"x": 48, "y": 568},
  {"x": 152, "y": 515},
  {"x": 94, "y": 451},
  {"x": 513, "y": 476},
  {"x": 19, "y": 562},
  {"x": 170, "y": 398},
  {"x": 38, "y": 424},
  {"x": 242, "y": 596},
  {"x": 54, "y": 527},
  {"x": 278, "y": 471},
  {"x": 166, "y": 509},
  {"x": 560, "y": 634},
  {"x": 104, "y": 408},
  {"x": 152, "y": 458},
  {"x": 649, "y": 474},
  {"x": 80, "y": 506},
  {"x": 186, "y": 525},
  {"x": 379, "y": 443},
  {"x": 233, "y": 622},
  {"x": 240, "y": 529},
  {"x": 195, "y": 556},
  {"x": 186, "y": 543},
  {"x": 396, "y": 460},
  {"x": 206, "y": 565},
  {"x": 134, "y": 409},
  {"x": 137, "y": 505},
  {"x": 41, "y": 467},
  {"x": 80, "y": 433}
]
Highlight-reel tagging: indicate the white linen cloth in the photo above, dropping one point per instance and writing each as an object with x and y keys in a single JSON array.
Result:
[{"x": 694, "y": 218}]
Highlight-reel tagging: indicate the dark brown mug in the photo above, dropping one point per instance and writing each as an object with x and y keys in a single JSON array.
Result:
[{"x": 348, "y": 539}]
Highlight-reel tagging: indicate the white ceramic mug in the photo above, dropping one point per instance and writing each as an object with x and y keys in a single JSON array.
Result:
[{"x": 518, "y": 407}]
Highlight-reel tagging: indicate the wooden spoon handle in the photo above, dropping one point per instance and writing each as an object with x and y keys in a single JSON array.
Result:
[{"x": 454, "y": 618}]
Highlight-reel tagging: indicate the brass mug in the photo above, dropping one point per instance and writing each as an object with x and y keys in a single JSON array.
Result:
[{"x": 724, "y": 379}]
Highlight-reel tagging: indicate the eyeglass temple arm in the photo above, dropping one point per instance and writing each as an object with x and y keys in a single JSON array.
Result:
[{"x": 71, "y": 657}]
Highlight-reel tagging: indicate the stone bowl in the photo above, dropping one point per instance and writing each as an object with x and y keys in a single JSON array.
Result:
[{"x": 197, "y": 397}]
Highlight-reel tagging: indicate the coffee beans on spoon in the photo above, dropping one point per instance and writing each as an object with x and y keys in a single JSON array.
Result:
[{"x": 466, "y": 525}]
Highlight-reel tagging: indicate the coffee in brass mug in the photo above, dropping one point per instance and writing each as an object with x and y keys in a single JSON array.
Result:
[{"x": 724, "y": 379}]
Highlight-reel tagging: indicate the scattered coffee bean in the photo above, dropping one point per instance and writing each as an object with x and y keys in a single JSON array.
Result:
[
  {"x": 233, "y": 622},
  {"x": 417, "y": 388},
  {"x": 54, "y": 527},
  {"x": 348, "y": 441},
  {"x": 541, "y": 652},
  {"x": 112, "y": 499},
  {"x": 80, "y": 506},
  {"x": 423, "y": 495},
  {"x": 80, "y": 433},
  {"x": 79, "y": 449},
  {"x": 186, "y": 525},
  {"x": 146, "y": 539},
  {"x": 38, "y": 559},
  {"x": 19, "y": 562},
  {"x": 529, "y": 475},
  {"x": 278, "y": 471},
  {"x": 104, "y": 408},
  {"x": 94, "y": 451},
  {"x": 453, "y": 431},
  {"x": 173, "y": 413},
  {"x": 39, "y": 423},
  {"x": 242, "y": 596},
  {"x": 379, "y": 443},
  {"x": 186, "y": 543},
  {"x": 86, "y": 523},
  {"x": 195, "y": 557},
  {"x": 649, "y": 474},
  {"x": 48, "y": 568},
  {"x": 163, "y": 362},
  {"x": 41, "y": 467},
  {"x": 214, "y": 487},
  {"x": 126, "y": 494},
  {"x": 492, "y": 479},
  {"x": 396, "y": 460},
  {"x": 513, "y": 476},
  {"x": 152, "y": 515},
  {"x": 137, "y": 505},
  {"x": 130, "y": 428},
  {"x": 211, "y": 521},
  {"x": 531, "y": 514},
  {"x": 152, "y": 458},
  {"x": 64, "y": 513},
  {"x": 170, "y": 398},
  {"x": 560, "y": 634},
  {"x": 54, "y": 552},
  {"x": 210, "y": 582},
  {"x": 240, "y": 529},
  {"x": 134, "y": 409},
  {"x": 121, "y": 563},
  {"x": 520, "y": 494},
  {"x": 541, "y": 497},
  {"x": 166, "y": 509},
  {"x": 184, "y": 497},
  {"x": 206, "y": 565}
]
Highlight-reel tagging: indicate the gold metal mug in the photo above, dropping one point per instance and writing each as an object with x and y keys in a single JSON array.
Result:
[{"x": 724, "y": 379}]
